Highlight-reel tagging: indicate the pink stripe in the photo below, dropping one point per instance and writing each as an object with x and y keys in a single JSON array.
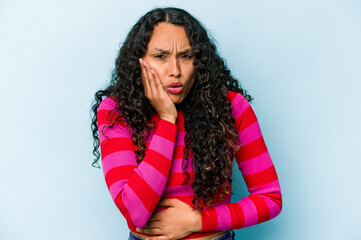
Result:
[
  {"x": 120, "y": 158},
  {"x": 115, "y": 131},
  {"x": 256, "y": 164},
  {"x": 107, "y": 104},
  {"x": 185, "y": 190},
  {"x": 180, "y": 138},
  {"x": 116, "y": 188},
  {"x": 177, "y": 165},
  {"x": 224, "y": 217},
  {"x": 249, "y": 211},
  {"x": 162, "y": 146},
  {"x": 152, "y": 176},
  {"x": 151, "y": 134},
  {"x": 274, "y": 209},
  {"x": 273, "y": 187},
  {"x": 137, "y": 211},
  {"x": 250, "y": 134},
  {"x": 239, "y": 104}
]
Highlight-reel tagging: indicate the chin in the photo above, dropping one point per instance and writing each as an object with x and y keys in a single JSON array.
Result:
[
  {"x": 176, "y": 101},
  {"x": 179, "y": 101}
]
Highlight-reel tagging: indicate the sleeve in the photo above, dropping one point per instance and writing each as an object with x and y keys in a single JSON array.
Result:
[
  {"x": 264, "y": 201},
  {"x": 135, "y": 189}
]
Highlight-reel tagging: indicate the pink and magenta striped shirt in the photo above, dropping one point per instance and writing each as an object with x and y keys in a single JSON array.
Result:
[{"x": 137, "y": 189}]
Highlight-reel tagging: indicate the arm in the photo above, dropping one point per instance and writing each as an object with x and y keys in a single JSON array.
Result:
[
  {"x": 254, "y": 161},
  {"x": 135, "y": 189}
]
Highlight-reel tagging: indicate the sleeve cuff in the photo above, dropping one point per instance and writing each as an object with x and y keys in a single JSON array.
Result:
[
  {"x": 167, "y": 130},
  {"x": 209, "y": 220}
]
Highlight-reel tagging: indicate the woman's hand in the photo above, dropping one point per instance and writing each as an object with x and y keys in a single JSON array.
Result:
[
  {"x": 176, "y": 222},
  {"x": 156, "y": 94}
]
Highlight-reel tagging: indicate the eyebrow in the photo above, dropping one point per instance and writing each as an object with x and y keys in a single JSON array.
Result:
[{"x": 164, "y": 51}]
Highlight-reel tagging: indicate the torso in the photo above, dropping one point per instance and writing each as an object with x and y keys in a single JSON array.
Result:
[{"x": 176, "y": 178}]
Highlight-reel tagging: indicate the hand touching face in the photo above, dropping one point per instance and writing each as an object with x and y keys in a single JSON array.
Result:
[
  {"x": 156, "y": 93},
  {"x": 170, "y": 55}
]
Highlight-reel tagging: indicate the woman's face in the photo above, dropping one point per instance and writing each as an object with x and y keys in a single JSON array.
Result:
[{"x": 170, "y": 54}]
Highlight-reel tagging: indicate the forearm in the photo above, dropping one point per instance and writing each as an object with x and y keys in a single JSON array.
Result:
[
  {"x": 135, "y": 189},
  {"x": 264, "y": 201},
  {"x": 141, "y": 192}
]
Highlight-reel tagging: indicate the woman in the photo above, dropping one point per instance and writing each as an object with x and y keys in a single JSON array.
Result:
[{"x": 169, "y": 126}]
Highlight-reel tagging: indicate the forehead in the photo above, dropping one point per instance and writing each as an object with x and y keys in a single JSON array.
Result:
[{"x": 165, "y": 35}]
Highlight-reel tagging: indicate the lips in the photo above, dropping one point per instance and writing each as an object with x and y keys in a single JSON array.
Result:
[
  {"x": 175, "y": 85},
  {"x": 175, "y": 90}
]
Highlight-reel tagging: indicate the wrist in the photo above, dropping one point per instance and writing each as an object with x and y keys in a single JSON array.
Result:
[
  {"x": 196, "y": 221},
  {"x": 169, "y": 119}
]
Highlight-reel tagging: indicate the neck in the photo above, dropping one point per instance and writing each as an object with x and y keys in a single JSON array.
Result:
[{"x": 179, "y": 106}]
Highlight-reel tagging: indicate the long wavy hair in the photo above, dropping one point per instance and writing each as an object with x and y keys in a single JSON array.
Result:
[{"x": 209, "y": 133}]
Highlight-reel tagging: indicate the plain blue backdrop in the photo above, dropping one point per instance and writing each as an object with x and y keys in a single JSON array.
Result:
[{"x": 300, "y": 60}]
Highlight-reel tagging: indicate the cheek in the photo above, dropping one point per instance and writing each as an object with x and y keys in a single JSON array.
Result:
[
  {"x": 190, "y": 74},
  {"x": 158, "y": 68}
]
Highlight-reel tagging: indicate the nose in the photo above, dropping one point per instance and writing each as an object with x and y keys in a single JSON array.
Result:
[{"x": 174, "y": 68}]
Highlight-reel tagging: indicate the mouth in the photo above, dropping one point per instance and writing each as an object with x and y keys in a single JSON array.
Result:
[
  {"x": 175, "y": 90},
  {"x": 175, "y": 87}
]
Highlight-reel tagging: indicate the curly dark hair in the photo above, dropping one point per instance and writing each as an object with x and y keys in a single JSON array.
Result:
[{"x": 208, "y": 123}]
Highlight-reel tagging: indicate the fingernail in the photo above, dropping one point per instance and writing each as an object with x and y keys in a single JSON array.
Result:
[{"x": 152, "y": 71}]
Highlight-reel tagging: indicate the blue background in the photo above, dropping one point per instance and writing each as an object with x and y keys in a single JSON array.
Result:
[{"x": 300, "y": 60}]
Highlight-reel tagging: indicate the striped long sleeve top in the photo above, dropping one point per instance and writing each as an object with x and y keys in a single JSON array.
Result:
[{"x": 137, "y": 188}]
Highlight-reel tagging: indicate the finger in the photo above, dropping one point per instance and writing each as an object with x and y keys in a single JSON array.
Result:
[
  {"x": 145, "y": 79},
  {"x": 153, "y": 224},
  {"x": 157, "y": 81},
  {"x": 151, "y": 231},
  {"x": 162, "y": 237},
  {"x": 151, "y": 79},
  {"x": 144, "y": 76},
  {"x": 155, "y": 217}
]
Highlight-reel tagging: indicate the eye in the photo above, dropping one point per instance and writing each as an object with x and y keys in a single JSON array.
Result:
[
  {"x": 160, "y": 56},
  {"x": 187, "y": 56}
]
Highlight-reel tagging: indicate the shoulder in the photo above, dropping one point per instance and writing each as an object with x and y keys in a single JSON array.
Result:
[
  {"x": 109, "y": 113},
  {"x": 237, "y": 100},
  {"x": 240, "y": 105},
  {"x": 242, "y": 111},
  {"x": 108, "y": 104}
]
